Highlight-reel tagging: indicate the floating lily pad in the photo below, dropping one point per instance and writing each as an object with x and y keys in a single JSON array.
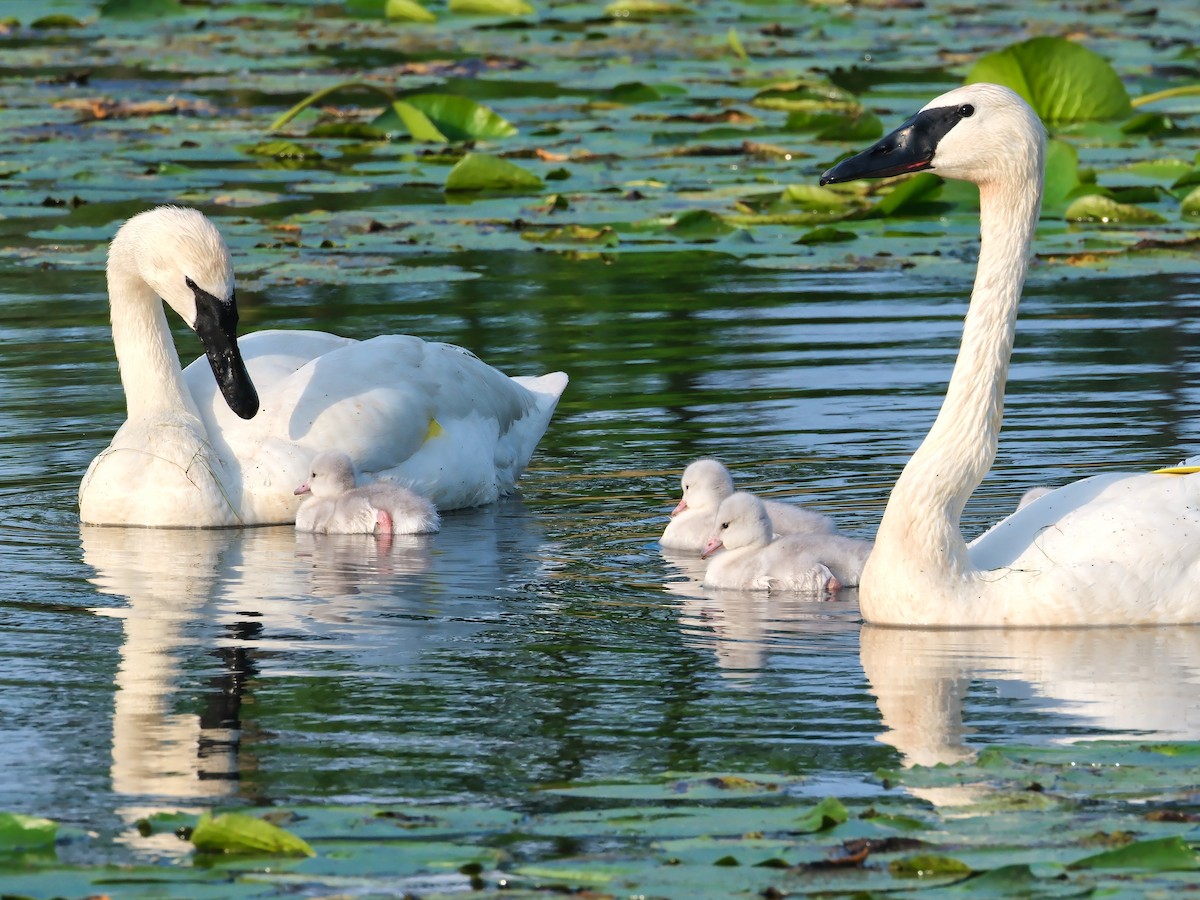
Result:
[
  {"x": 240, "y": 833},
  {"x": 402, "y": 117},
  {"x": 1063, "y": 81},
  {"x": 481, "y": 172},
  {"x": 826, "y": 235},
  {"x": 1191, "y": 203},
  {"x": 491, "y": 7},
  {"x": 1162, "y": 854},
  {"x": 645, "y": 9},
  {"x": 461, "y": 118},
  {"x": 140, "y": 9},
  {"x": 1097, "y": 210},
  {"x": 21, "y": 832},
  {"x": 282, "y": 150},
  {"x": 407, "y": 11}
]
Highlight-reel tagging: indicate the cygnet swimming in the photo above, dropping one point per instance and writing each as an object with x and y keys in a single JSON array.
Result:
[
  {"x": 753, "y": 560},
  {"x": 706, "y": 483},
  {"x": 335, "y": 506}
]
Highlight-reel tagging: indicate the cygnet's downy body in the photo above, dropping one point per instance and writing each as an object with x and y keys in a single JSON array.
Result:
[
  {"x": 754, "y": 560},
  {"x": 706, "y": 483},
  {"x": 334, "y": 504}
]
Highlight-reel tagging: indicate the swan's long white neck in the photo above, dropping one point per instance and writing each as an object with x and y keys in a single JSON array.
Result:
[
  {"x": 920, "y": 533},
  {"x": 150, "y": 371}
]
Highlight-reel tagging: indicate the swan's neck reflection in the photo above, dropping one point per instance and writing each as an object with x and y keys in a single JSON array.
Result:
[{"x": 1113, "y": 682}]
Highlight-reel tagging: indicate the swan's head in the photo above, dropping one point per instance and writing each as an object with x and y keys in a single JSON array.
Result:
[
  {"x": 705, "y": 483},
  {"x": 181, "y": 256},
  {"x": 742, "y": 521},
  {"x": 980, "y": 132},
  {"x": 330, "y": 475}
]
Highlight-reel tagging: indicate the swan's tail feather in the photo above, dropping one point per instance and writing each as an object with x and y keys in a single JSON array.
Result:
[{"x": 526, "y": 433}]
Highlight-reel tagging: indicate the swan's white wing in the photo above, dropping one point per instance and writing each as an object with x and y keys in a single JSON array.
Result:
[{"x": 430, "y": 415}]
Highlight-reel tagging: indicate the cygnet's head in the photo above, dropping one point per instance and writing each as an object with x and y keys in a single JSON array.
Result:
[
  {"x": 705, "y": 483},
  {"x": 742, "y": 521},
  {"x": 331, "y": 475},
  {"x": 979, "y": 132},
  {"x": 179, "y": 254}
]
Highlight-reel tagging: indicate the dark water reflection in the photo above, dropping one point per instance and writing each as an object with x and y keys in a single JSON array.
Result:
[{"x": 546, "y": 638}]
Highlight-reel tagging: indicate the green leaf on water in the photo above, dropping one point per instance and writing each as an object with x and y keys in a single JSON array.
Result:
[
  {"x": 407, "y": 11},
  {"x": 701, "y": 225},
  {"x": 645, "y": 9},
  {"x": 812, "y": 197},
  {"x": 1061, "y": 80},
  {"x": 461, "y": 118},
  {"x": 1062, "y": 174},
  {"x": 631, "y": 92},
  {"x": 481, "y": 172},
  {"x": 906, "y": 194},
  {"x": 1095, "y": 209},
  {"x": 21, "y": 832},
  {"x": 491, "y": 7},
  {"x": 140, "y": 9},
  {"x": 735, "y": 44},
  {"x": 927, "y": 865},
  {"x": 240, "y": 833},
  {"x": 57, "y": 20},
  {"x": 354, "y": 130},
  {"x": 401, "y": 117},
  {"x": 281, "y": 150},
  {"x": 825, "y": 815},
  {"x": 1157, "y": 855},
  {"x": 1191, "y": 203}
]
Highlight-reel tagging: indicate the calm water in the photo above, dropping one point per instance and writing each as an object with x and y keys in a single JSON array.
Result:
[{"x": 546, "y": 638}]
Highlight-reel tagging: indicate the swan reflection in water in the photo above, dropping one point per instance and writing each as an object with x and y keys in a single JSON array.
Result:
[
  {"x": 199, "y": 607},
  {"x": 1109, "y": 683},
  {"x": 744, "y": 627}
]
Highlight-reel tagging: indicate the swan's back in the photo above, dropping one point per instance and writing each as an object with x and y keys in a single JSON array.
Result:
[{"x": 429, "y": 415}]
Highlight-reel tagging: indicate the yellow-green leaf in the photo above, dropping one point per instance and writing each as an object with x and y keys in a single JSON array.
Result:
[
  {"x": 481, "y": 172},
  {"x": 240, "y": 833},
  {"x": 492, "y": 7},
  {"x": 402, "y": 117},
  {"x": 407, "y": 11},
  {"x": 1099, "y": 210},
  {"x": 21, "y": 832}
]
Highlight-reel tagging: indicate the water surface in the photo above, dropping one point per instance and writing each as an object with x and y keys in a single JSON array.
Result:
[{"x": 546, "y": 639}]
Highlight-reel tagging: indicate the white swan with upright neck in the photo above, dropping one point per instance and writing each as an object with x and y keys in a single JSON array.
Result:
[
  {"x": 1108, "y": 550},
  {"x": 225, "y": 441}
]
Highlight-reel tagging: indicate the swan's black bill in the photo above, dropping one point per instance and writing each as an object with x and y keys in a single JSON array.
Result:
[
  {"x": 909, "y": 148},
  {"x": 216, "y": 326}
]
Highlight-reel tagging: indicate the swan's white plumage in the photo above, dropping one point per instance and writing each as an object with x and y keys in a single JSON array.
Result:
[
  {"x": 752, "y": 559},
  {"x": 336, "y": 504},
  {"x": 705, "y": 484},
  {"x": 1109, "y": 550},
  {"x": 425, "y": 414}
]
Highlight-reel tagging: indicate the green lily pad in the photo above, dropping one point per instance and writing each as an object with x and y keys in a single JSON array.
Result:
[
  {"x": 281, "y": 150},
  {"x": 1159, "y": 855},
  {"x": 645, "y": 9},
  {"x": 21, "y": 832},
  {"x": 407, "y": 11},
  {"x": 1063, "y": 81},
  {"x": 1098, "y": 210},
  {"x": 140, "y": 9},
  {"x": 906, "y": 194},
  {"x": 402, "y": 117},
  {"x": 701, "y": 225},
  {"x": 491, "y": 7},
  {"x": 57, "y": 20},
  {"x": 927, "y": 865},
  {"x": 825, "y": 815},
  {"x": 481, "y": 172},
  {"x": 813, "y": 197},
  {"x": 826, "y": 234},
  {"x": 1191, "y": 203},
  {"x": 461, "y": 118},
  {"x": 240, "y": 833}
]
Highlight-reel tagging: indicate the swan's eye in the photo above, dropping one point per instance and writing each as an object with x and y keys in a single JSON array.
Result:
[
  {"x": 724, "y": 525},
  {"x": 188, "y": 281},
  {"x": 966, "y": 110}
]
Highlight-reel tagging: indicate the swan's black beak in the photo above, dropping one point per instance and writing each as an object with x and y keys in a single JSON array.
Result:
[
  {"x": 909, "y": 148},
  {"x": 216, "y": 326}
]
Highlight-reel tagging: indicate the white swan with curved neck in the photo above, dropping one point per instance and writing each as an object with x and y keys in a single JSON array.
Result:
[
  {"x": 224, "y": 442},
  {"x": 1108, "y": 550}
]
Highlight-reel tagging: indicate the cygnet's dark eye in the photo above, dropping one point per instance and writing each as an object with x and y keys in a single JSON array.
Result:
[
  {"x": 966, "y": 110},
  {"x": 724, "y": 524}
]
